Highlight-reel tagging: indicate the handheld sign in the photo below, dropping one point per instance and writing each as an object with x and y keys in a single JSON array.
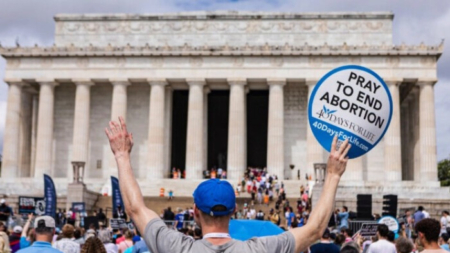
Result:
[
  {"x": 368, "y": 230},
  {"x": 118, "y": 223},
  {"x": 354, "y": 103},
  {"x": 391, "y": 222}
]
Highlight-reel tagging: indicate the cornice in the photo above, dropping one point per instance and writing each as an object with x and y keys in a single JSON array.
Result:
[
  {"x": 226, "y": 50},
  {"x": 224, "y": 15}
]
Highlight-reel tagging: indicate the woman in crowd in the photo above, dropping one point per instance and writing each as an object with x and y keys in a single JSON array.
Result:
[
  {"x": 105, "y": 238},
  {"x": 66, "y": 243},
  {"x": 128, "y": 242},
  {"x": 93, "y": 245},
  {"x": 4, "y": 243},
  {"x": 28, "y": 236}
]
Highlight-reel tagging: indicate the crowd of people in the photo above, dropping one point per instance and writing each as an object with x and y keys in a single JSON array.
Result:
[{"x": 46, "y": 236}]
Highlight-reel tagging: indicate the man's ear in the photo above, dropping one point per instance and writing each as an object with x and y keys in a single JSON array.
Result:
[{"x": 196, "y": 211}]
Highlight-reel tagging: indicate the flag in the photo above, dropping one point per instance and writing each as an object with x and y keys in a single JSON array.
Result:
[
  {"x": 50, "y": 196},
  {"x": 116, "y": 196}
]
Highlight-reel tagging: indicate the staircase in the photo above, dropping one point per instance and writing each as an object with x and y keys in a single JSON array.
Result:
[{"x": 158, "y": 204}]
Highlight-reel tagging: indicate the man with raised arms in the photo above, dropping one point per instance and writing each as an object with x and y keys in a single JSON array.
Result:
[{"x": 214, "y": 204}]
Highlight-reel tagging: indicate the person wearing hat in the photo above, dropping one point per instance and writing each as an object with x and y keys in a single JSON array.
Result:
[
  {"x": 325, "y": 245},
  {"x": 44, "y": 228},
  {"x": 14, "y": 238},
  {"x": 214, "y": 204}
]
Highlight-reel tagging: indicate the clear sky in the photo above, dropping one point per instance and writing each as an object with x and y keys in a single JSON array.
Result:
[{"x": 416, "y": 21}]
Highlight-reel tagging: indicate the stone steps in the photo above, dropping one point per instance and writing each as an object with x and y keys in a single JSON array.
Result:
[{"x": 158, "y": 204}]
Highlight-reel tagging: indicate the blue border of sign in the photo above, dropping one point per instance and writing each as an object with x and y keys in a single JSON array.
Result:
[
  {"x": 388, "y": 216},
  {"x": 319, "y": 83}
]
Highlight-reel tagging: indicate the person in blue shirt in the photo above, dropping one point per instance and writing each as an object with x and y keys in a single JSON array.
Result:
[
  {"x": 290, "y": 217},
  {"x": 179, "y": 218},
  {"x": 418, "y": 215},
  {"x": 343, "y": 217},
  {"x": 27, "y": 237},
  {"x": 140, "y": 247},
  {"x": 444, "y": 242},
  {"x": 44, "y": 229}
]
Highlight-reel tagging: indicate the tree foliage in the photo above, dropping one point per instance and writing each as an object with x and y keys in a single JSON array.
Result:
[{"x": 444, "y": 172}]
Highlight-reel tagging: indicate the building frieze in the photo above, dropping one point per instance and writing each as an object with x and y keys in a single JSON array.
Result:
[{"x": 226, "y": 50}]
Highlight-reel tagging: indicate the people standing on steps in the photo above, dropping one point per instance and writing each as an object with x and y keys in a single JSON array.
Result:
[{"x": 214, "y": 204}]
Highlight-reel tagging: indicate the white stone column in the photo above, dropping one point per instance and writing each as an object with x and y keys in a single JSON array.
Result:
[
  {"x": 10, "y": 161},
  {"x": 168, "y": 131},
  {"x": 194, "y": 143},
  {"x": 275, "y": 138},
  {"x": 80, "y": 142},
  {"x": 427, "y": 128},
  {"x": 392, "y": 138},
  {"x": 119, "y": 99},
  {"x": 118, "y": 108},
  {"x": 314, "y": 150},
  {"x": 44, "y": 139},
  {"x": 155, "y": 162},
  {"x": 237, "y": 139}
]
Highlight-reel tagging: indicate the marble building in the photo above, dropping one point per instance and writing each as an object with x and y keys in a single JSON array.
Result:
[{"x": 197, "y": 86}]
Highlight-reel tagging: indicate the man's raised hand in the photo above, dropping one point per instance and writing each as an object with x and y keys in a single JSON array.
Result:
[
  {"x": 337, "y": 161},
  {"x": 120, "y": 140}
]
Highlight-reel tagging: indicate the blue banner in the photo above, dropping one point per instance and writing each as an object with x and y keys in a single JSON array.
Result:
[
  {"x": 116, "y": 196},
  {"x": 50, "y": 196}
]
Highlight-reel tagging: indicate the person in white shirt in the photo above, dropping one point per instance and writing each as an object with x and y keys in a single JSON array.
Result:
[
  {"x": 426, "y": 214},
  {"x": 444, "y": 222},
  {"x": 382, "y": 245}
]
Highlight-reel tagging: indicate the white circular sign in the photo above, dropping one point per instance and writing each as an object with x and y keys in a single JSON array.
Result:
[
  {"x": 354, "y": 103},
  {"x": 391, "y": 222}
]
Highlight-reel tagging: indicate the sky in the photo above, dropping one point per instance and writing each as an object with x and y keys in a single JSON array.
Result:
[{"x": 416, "y": 21}]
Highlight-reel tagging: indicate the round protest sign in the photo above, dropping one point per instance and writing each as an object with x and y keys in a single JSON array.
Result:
[
  {"x": 354, "y": 103},
  {"x": 391, "y": 222}
]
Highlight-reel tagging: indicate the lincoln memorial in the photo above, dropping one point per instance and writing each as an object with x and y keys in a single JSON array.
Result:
[{"x": 207, "y": 89}]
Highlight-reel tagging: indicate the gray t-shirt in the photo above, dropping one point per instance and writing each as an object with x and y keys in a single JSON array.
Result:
[{"x": 161, "y": 239}]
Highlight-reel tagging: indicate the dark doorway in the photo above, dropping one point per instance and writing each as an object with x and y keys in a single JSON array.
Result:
[
  {"x": 179, "y": 128},
  {"x": 218, "y": 110},
  {"x": 257, "y": 124}
]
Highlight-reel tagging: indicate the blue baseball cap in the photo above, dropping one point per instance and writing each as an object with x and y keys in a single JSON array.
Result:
[{"x": 212, "y": 193}]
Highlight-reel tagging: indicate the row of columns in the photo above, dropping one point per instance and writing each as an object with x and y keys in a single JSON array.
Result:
[{"x": 197, "y": 129}]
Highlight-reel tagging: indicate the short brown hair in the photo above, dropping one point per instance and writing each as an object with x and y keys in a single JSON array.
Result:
[
  {"x": 431, "y": 228},
  {"x": 67, "y": 231}
]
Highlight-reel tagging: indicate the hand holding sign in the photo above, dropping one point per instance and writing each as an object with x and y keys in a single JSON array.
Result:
[{"x": 353, "y": 103}]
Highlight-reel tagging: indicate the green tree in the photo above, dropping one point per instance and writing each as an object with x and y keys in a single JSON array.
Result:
[{"x": 444, "y": 172}]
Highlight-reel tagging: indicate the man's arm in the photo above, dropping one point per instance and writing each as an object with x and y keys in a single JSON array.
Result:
[
  {"x": 121, "y": 143},
  {"x": 321, "y": 213}
]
